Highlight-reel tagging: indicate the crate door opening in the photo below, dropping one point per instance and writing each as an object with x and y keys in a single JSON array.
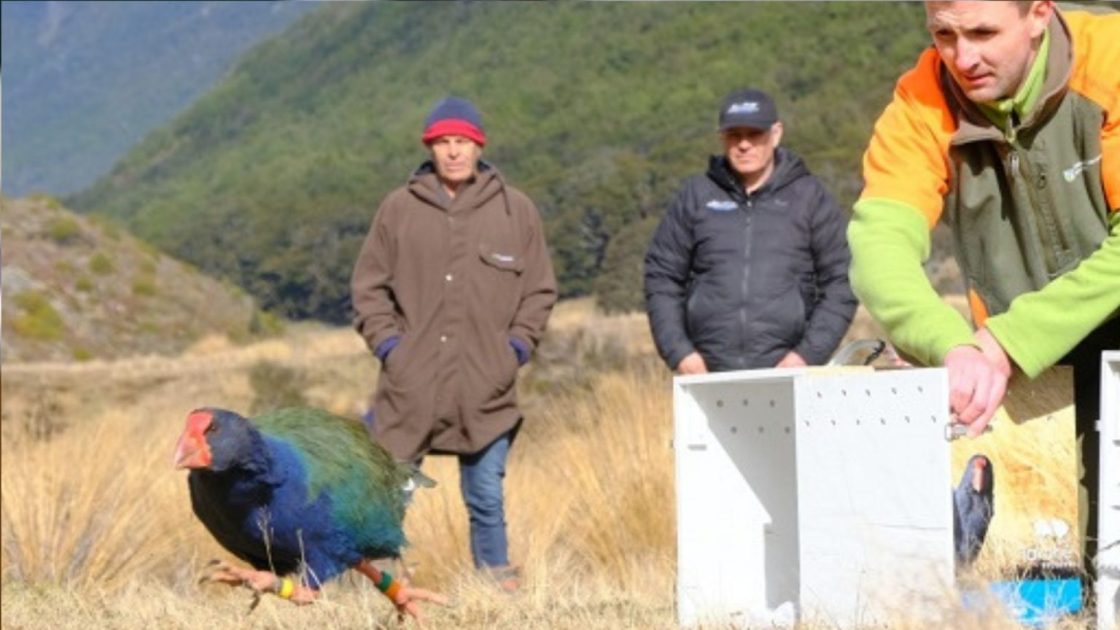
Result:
[
  {"x": 736, "y": 469},
  {"x": 876, "y": 533}
]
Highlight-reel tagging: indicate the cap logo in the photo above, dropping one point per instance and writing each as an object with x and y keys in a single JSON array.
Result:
[{"x": 746, "y": 107}]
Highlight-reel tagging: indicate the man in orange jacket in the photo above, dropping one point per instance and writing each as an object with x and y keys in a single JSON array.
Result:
[{"x": 1009, "y": 129}]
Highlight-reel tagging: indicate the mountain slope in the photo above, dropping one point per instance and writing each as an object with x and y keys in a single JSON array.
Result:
[
  {"x": 597, "y": 110},
  {"x": 80, "y": 289},
  {"x": 83, "y": 81}
]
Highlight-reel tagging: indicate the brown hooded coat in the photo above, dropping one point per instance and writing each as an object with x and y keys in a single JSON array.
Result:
[{"x": 455, "y": 279}]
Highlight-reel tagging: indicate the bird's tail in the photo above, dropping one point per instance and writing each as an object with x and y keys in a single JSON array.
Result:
[
  {"x": 420, "y": 479},
  {"x": 415, "y": 479}
]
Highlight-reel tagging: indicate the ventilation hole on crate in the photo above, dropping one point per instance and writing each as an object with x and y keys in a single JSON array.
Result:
[
  {"x": 820, "y": 395},
  {"x": 882, "y": 420},
  {"x": 933, "y": 418},
  {"x": 843, "y": 392},
  {"x": 787, "y": 428},
  {"x": 746, "y": 402},
  {"x": 719, "y": 403},
  {"x": 734, "y": 429},
  {"x": 857, "y": 422},
  {"x": 894, "y": 390},
  {"x": 907, "y": 419},
  {"x": 772, "y": 403},
  {"x": 921, "y": 389},
  {"x": 834, "y": 422},
  {"x": 867, "y": 391},
  {"x": 760, "y": 429}
]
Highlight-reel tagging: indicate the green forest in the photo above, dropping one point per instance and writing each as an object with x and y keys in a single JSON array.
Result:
[{"x": 596, "y": 110}]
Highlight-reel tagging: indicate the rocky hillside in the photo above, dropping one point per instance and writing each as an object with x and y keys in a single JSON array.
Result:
[{"x": 79, "y": 289}]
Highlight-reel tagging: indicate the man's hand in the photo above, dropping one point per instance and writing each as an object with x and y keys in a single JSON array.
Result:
[
  {"x": 792, "y": 359},
  {"x": 692, "y": 364},
  {"x": 977, "y": 381}
]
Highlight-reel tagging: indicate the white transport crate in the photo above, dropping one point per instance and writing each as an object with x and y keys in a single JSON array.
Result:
[
  {"x": 838, "y": 480},
  {"x": 1108, "y": 584}
]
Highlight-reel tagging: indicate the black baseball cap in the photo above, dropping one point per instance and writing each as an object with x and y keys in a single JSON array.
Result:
[{"x": 747, "y": 108}]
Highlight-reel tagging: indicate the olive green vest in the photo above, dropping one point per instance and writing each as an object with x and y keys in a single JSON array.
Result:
[{"x": 1028, "y": 210}]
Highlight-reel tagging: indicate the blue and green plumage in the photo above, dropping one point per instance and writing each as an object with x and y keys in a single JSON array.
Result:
[{"x": 299, "y": 487}]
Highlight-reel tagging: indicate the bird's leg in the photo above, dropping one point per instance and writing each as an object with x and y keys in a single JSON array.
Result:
[
  {"x": 404, "y": 597},
  {"x": 259, "y": 582}
]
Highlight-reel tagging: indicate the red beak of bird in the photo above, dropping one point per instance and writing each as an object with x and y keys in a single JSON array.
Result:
[
  {"x": 978, "y": 472},
  {"x": 192, "y": 451}
]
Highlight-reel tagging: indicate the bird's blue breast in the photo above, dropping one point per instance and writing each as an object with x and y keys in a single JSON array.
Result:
[
  {"x": 303, "y": 526},
  {"x": 269, "y": 520}
]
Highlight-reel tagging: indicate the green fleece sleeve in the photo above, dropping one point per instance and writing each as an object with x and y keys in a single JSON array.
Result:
[
  {"x": 889, "y": 241},
  {"x": 1042, "y": 326}
]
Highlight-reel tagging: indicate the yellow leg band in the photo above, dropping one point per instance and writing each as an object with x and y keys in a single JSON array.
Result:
[{"x": 287, "y": 587}]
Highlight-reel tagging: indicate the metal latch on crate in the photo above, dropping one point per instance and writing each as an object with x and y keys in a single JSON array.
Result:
[{"x": 956, "y": 430}]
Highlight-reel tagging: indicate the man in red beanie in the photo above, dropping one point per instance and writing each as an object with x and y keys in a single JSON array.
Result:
[{"x": 452, "y": 291}]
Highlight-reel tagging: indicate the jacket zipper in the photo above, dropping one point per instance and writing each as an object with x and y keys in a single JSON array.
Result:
[
  {"x": 1048, "y": 231},
  {"x": 746, "y": 277}
]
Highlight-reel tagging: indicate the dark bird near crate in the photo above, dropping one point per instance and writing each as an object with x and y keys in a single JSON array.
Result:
[
  {"x": 298, "y": 491},
  {"x": 973, "y": 509}
]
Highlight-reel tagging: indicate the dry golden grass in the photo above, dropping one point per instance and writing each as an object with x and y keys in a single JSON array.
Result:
[{"x": 98, "y": 532}]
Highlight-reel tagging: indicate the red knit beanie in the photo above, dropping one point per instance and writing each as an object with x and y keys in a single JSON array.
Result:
[{"x": 454, "y": 116}]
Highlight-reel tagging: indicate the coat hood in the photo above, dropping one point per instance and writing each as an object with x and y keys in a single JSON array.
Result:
[{"x": 487, "y": 184}]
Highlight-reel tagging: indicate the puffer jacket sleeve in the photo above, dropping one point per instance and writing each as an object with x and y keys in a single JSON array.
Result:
[
  {"x": 538, "y": 283},
  {"x": 667, "y": 266},
  {"x": 370, "y": 284},
  {"x": 836, "y": 304}
]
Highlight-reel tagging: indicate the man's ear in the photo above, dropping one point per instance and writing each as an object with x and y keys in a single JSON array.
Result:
[
  {"x": 776, "y": 133},
  {"x": 1039, "y": 15}
]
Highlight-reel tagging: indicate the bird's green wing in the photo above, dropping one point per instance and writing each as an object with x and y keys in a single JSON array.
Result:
[{"x": 363, "y": 480}]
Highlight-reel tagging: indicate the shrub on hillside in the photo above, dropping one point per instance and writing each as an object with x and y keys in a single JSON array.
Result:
[
  {"x": 101, "y": 264},
  {"x": 63, "y": 230},
  {"x": 38, "y": 319}
]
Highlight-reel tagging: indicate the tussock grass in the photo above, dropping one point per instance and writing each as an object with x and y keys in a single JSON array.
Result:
[
  {"x": 92, "y": 506},
  {"x": 98, "y": 532}
]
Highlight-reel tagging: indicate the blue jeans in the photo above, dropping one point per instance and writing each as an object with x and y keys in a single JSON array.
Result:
[{"x": 480, "y": 479}]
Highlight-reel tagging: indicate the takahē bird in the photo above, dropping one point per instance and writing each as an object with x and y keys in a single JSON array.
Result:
[
  {"x": 297, "y": 489},
  {"x": 973, "y": 508}
]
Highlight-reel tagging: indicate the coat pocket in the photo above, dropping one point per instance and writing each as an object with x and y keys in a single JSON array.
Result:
[
  {"x": 499, "y": 284},
  {"x": 502, "y": 260}
]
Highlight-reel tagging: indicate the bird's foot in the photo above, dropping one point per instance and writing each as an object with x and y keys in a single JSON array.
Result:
[
  {"x": 259, "y": 582},
  {"x": 407, "y": 600}
]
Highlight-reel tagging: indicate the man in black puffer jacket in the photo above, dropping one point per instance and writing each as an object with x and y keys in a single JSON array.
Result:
[{"x": 749, "y": 267}]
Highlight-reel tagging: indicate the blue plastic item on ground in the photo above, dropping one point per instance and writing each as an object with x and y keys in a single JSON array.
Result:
[{"x": 1032, "y": 602}]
